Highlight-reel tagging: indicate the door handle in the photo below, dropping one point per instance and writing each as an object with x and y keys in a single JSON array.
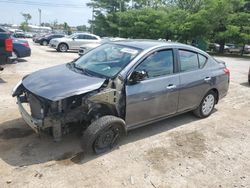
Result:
[
  {"x": 171, "y": 86},
  {"x": 207, "y": 79}
]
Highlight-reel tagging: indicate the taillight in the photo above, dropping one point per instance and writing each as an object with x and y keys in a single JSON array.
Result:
[
  {"x": 26, "y": 44},
  {"x": 227, "y": 71},
  {"x": 8, "y": 45}
]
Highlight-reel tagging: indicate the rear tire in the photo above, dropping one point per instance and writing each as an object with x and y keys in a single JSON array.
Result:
[
  {"x": 14, "y": 55},
  {"x": 103, "y": 134},
  {"x": 44, "y": 43},
  {"x": 206, "y": 106}
]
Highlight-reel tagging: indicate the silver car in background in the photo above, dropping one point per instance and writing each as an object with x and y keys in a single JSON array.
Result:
[
  {"x": 89, "y": 46},
  {"x": 73, "y": 42}
]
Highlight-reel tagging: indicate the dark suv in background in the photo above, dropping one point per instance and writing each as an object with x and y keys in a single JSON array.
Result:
[
  {"x": 6, "y": 46},
  {"x": 46, "y": 39}
]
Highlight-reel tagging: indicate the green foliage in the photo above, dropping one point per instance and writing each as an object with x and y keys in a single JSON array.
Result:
[
  {"x": 218, "y": 21},
  {"x": 26, "y": 17},
  {"x": 24, "y": 26},
  {"x": 66, "y": 28}
]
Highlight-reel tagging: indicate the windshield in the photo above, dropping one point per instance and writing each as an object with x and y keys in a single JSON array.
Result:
[{"x": 106, "y": 60}]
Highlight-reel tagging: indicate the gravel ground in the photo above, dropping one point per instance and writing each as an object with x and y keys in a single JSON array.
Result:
[{"x": 182, "y": 151}]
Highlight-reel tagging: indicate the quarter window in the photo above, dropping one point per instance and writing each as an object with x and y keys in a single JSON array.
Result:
[
  {"x": 158, "y": 64},
  {"x": 202, "y": 60},
  {"x": 189, "y": 60}
]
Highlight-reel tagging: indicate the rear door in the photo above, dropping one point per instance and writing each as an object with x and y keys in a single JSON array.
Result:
[
  {"x": 78, "y": 41},
  {"x": 156, "y": 96},
  {"x": 83, "y": 39},
  {"x": 195, "y": 80}
]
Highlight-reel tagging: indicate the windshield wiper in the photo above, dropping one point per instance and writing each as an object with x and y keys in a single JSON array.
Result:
[{"x": 84, "y": 71}]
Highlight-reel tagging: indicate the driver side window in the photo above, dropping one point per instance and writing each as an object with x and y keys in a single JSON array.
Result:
[{"x": 158, "y": 64}]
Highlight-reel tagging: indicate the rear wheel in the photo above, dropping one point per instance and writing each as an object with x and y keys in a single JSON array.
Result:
[
  {"x": 207, "y": 105},
  {"x": 44, "y": 43},
  {"x": 14, "y": 55},
  {"x": 62, "y": 47},
  {"x": 103, "y": 134}
]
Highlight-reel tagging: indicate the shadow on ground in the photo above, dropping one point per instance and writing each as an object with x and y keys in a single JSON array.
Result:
[
  {"x": 246, "y": 84},
  {"x": 2, "y": 81},
  {"x": 20, "y": 146},
  {"x": 69, "y": 51}
]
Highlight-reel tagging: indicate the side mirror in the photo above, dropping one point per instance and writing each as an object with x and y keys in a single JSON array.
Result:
[{"x": 138, "y": 76}]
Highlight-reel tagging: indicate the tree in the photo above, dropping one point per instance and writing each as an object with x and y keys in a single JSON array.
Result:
[
  {"x": 217, "y": 21},
  {"x": 26, "y": 17},
  {"x": 82, "y": 28},
  {"x": 24, "y": 25},
  {"x": 66, "y": 28},
  {"x": 189, "y": 5}
]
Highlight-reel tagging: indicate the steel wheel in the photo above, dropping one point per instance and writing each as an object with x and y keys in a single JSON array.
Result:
[
  {"x": 107, "y": 139},
  {"x": 208, "y": 104}
]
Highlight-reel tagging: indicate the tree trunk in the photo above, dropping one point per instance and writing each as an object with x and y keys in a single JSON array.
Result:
[
  {"x": 222, "y": 44},
  {"x": 242, "y": 51}
]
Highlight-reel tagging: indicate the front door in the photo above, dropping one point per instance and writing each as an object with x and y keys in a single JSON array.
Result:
[{"x": 157, "y": 95}]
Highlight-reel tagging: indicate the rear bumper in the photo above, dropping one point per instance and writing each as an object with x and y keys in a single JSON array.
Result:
[
  {"x": 35, "y": 124},
  {"x": 25, "y": 53}
]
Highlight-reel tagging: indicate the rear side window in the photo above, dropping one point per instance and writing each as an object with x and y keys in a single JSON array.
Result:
[
  {"x": 188, "y": 60},
  {"x": 158, "y": 64},
  {"x": 81, "y": 37},
  {"x": 202, "y": 60},
  {"x": 90, "y": 37}
]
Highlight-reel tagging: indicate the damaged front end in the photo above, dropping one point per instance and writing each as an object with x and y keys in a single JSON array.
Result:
[{"x": 43, "y": 114}]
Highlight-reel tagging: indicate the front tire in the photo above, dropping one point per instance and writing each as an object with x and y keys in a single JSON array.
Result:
[
  {"x": 103, "y": 134},
  {"x": 62, "y": 47},
  {"x": 206, "y": 106}
]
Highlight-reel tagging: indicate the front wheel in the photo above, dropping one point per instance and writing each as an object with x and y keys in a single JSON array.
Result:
[
  {"x": 103, "y": 134},
  {"x": 207, "y": 105},
  {"x": 62, "y": 47}
]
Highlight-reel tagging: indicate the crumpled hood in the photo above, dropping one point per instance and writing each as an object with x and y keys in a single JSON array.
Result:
[{"x": 60, "y": 82}]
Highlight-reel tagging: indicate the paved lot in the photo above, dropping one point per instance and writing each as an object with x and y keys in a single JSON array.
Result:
[{"x": 179, "y": 152}]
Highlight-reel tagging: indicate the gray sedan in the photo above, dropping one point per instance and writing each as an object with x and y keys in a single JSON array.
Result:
[{"x": 120, "y": 86}]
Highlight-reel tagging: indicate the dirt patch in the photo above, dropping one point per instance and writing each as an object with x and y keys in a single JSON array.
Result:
[
  {"x": 70, "y": 158},
  {"x": 191, "y": 145},
  {"x": 12, "y": 133},
  {"x": 77, "y": 159},
  {"x": 183, "y": 145}
]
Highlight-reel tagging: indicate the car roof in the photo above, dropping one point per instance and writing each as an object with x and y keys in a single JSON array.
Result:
[{"x": 145, "y": 44}]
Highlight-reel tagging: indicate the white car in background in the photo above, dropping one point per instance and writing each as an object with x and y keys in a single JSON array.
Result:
[
  {"x": 73, "y": 42},
  {"x": 89, "y": 46}
]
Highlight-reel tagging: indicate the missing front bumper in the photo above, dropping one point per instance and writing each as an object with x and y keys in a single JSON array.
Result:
[{"x": 35, "y": 124}]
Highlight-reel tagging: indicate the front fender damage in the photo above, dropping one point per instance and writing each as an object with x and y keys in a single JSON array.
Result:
[{"x": 81, "y": 109}]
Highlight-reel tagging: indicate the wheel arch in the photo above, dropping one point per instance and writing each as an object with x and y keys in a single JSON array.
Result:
[
  {"x": 104, "y": 109},
  {"x": 63, "y": 43},
  {"x": 216, "y": 94}
]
